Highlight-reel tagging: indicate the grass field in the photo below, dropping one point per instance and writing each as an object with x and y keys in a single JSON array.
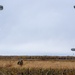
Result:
[{"x": 37, "y": 66}]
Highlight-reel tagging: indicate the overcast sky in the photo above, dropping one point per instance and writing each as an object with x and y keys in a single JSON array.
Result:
[{"x": 37, "y": 27}]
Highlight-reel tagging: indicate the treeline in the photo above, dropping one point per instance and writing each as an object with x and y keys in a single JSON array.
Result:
[
  {"x": 36, "y": 71},
  {"x": 37, "y": 57}
]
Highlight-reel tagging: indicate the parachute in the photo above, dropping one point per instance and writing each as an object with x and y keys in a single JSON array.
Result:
[
  {"x": 74, "y": 6},
  {"x": 72, "y": 49},
  {"x": 1, "y": 7}
]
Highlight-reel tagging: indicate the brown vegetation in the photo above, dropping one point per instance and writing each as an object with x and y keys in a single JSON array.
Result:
[{"x": 38, "y": 66}]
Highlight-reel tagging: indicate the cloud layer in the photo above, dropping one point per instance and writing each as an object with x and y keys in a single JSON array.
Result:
[{"x": 37, "y": 27}]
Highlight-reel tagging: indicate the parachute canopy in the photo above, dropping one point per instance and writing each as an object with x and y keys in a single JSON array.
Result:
[
  {"x": 1, "y": 7},
  {"x": 74, "y": 6},
  {"x": 72, "y": 49}
]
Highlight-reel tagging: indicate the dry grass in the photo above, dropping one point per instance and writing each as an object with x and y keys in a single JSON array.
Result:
[{"x": 39, "y": 64}]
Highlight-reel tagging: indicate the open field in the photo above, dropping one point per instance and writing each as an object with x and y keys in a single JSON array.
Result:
[
  {"x": 37, "y": 65},
  {"x": 38, "y": 62}
]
